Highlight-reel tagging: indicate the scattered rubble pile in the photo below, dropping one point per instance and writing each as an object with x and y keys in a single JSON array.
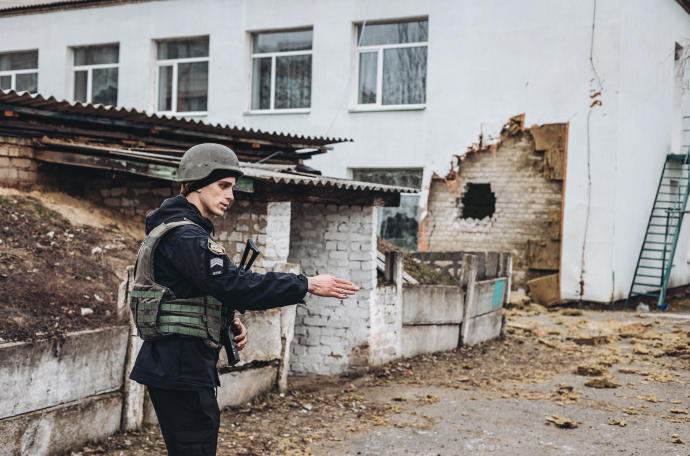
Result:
[
  {"x": 419, "y": 270},
  {"x": 56, "y": 276},
  {"x": 621, "y": 352}
]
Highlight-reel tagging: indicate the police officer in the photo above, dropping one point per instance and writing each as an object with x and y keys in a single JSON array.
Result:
[{"x": 178, "y": 360}]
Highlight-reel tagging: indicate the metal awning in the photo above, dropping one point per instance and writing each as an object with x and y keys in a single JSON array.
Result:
[
  {"x": 164, "y": 166},
  {"x": 35, "y": 105}
]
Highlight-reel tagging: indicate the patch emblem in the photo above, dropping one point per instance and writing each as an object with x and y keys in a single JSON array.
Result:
[
  {"x": 215, "y": 247},
  {"x": 216, "y": 265}
]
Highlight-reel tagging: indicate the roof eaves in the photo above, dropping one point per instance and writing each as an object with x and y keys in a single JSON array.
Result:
[
  {"x": 37, "y": 101},
  {"x": 38, "y": 6}
]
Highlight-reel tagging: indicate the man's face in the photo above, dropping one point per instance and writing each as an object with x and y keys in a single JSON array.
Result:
[{"x": 217, "y": 197}]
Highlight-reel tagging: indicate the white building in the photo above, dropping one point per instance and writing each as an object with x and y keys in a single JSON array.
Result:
[{"x": 413, "y": 89}]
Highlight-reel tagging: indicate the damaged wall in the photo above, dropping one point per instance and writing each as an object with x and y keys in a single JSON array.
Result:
[{"x": 519, "y": 182}]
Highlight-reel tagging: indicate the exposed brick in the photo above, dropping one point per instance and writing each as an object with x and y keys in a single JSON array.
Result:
[
  {"x": 523, "y": 200},
  {"x": 21, "y": 163}
]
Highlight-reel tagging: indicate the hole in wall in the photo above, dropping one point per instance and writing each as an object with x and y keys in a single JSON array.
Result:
[{"x": 478, "y": 201}]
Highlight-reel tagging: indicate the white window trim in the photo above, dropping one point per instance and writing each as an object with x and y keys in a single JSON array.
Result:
[
  {"x": 89, "y": 75},
  {"x": 13, "y": 74},
  {"x": 273, "y": 55},
  {"x": 173, "y": 102},
  {"x": 355, "y": 106}
]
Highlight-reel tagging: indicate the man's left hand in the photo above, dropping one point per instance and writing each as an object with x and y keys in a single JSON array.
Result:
[{"x": 239, "y": 329}]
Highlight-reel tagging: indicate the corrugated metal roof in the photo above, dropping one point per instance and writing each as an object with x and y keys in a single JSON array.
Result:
[
  {"x": 166, "y": 166},
  {"x": 280, "y": 177},
  {"x": 36, "y": 101},
  {"x": 21, "y": 6}
]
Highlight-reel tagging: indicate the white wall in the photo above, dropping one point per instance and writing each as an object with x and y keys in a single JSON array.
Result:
[{"x": 486, "y": 61}]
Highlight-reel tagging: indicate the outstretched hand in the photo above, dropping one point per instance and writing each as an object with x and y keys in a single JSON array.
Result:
[{"x": 331, "y": 287}]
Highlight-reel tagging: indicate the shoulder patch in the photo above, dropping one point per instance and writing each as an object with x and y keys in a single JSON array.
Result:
[{"x": 215, "y": 247}]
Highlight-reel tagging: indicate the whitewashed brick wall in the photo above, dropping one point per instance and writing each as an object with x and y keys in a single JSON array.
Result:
[
  {"x": 244, "y": 220},
  {"x": 277, "y": 234},
  {"x": 332, "y": 336},
  {"x": 523, "y": 199},
  {"x": 386, "y": 324}
]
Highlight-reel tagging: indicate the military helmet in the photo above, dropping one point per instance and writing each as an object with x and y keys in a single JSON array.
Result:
[{"x": 201, "y": 160}]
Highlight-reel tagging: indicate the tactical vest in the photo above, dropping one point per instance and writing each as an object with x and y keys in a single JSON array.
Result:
[{"x": 158, "y": 313}]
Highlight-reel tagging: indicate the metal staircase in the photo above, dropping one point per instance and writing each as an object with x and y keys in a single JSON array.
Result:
[{"x": 655, "y": 261}]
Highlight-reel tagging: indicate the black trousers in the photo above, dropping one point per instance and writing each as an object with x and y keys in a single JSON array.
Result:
[{"x": 189, "y": 420}]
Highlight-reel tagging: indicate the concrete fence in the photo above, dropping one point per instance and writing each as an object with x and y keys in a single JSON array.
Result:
[
  {"x": 60, "y": 393},
  {"x": 409, "y": 320},
  {"x": 57, "y": 394}
]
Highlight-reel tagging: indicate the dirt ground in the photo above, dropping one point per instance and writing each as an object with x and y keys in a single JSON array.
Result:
[
  {"x": 61, "y": 262},
  {"x": 561, "y": 382}
]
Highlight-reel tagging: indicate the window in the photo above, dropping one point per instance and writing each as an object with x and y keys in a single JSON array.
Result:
[
  {"x": 95, "y": 74},
  {"x": 398, "y": 225},
  {"x": 391, "y": 64},
  {"x": 478, "y": 201},
  {"x": 183, "y": 76},
  {"x": 281, "y": 70},
  {"x": 19, "y": 71}
]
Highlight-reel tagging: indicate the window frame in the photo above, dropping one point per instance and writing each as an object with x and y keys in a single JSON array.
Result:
[
  {"x": 355, "y": 106},
  {"x": 13, "y": 73},
  {"x": 273, "y": 55},
  {"x": 89, "y": 72},
  {"x": 174, "y": 63}
]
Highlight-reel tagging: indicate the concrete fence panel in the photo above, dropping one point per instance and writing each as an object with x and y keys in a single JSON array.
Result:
[
  {"x": 41, "y": 374},
  {"x": 432, "y": 304}
]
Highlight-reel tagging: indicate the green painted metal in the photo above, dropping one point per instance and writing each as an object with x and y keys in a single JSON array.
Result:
[
  {"x": 499, "y": 292},
  {"x": 667, "y": 214}
]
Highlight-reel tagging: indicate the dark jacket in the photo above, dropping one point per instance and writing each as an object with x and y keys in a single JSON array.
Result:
[{"x": 182, "y": 262}]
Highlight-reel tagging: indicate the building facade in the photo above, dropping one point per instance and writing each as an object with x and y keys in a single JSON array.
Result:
[{"x": 413, "y": 82}]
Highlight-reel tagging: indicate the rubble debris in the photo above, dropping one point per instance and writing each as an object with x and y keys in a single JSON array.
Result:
[
  {"x": 650, "y": 398},
  {"x": 518, "y": 299},
  {"x": 615, "y": 422},
  {"x": 591, "y": 370},
  {"x": 418, "y": 270},
  {"x": 572, "y": 312},
  {"x": 429, "y": 399},
  {"x": 675, "y": 439},
  {"x": 602, "y": 382},
  {"x": 562, "y": 422},
  {"x": 591, "y": 340},
  {"x": 678, "y": 411}
]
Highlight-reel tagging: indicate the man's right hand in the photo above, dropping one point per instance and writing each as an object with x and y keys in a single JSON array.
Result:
[{"x": 331, "y": 287}]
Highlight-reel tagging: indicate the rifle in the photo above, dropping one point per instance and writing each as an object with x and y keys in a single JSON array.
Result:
[{"x": 227, "y": 334}]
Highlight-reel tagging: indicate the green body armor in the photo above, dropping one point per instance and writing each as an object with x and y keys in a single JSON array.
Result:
[{"x": 158, "y": 313}]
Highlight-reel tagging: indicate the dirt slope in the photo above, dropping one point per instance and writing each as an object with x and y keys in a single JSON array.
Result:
[{"x": 61, "y": 262}]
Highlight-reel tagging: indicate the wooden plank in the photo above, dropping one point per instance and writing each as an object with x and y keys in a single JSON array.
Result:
[
  {"x": 550, "y": 138},
  {"x": 544, "y": 254},
  {"x": 553, "y": 224},
  {"x": 545, "y": 290}
]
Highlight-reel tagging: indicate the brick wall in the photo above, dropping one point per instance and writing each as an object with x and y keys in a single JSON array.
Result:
[
  {"x": 135, "y": 196},
  {"x": 17, "y": 167},
  {"x": 524, "y": 197},
  {"x": 277, "y": 233},
  {"x": 386, "y": 324},
  {"x": 332, "y": 336}
]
